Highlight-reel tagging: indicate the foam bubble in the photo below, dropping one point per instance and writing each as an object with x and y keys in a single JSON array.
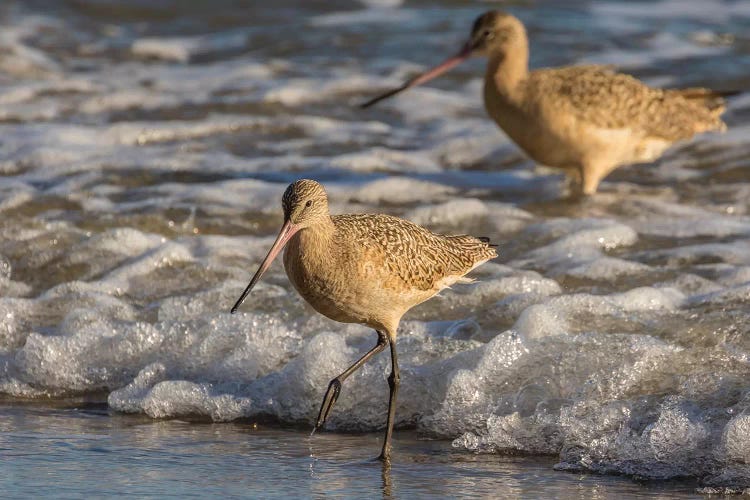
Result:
[
  {"x": 182, "y": 49},
  {"x": 455, "y": 213},
  {"x": 399, "y": 190}
]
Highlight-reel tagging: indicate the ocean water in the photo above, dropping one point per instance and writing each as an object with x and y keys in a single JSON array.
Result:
[
  {"x": 144, "y": 148},
  {"x": 83, "y": 450}
]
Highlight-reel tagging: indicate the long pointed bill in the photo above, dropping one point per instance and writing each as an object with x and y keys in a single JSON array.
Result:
[
  {"x": 287, "y": 231},
  {"x": 428, "y": 75}
]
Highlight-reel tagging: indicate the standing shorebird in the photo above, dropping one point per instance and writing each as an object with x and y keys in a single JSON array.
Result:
[
  {"x": 588, "y": 120},
  {"x": 367, "y": 269}
]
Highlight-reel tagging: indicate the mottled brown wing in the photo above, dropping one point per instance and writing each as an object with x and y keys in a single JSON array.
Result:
[
  {"x": 603, "y": 98},
  {"x": 416, "y": 256}
]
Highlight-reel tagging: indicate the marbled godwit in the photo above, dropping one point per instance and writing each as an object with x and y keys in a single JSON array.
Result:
[
  {"x": 588, "y": 120},
  {"x": 367, "y": 269}
]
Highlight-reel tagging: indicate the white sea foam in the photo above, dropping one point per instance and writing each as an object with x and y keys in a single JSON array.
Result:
[
  {"x": 666, "y": 46},
  {"x": 710, "y": 10},
  {"x": 578, "y": 244},
  {"x": 400, "y": 190},
  {"x": 380, "y": 11},
  {"x": 388, "y": 160},
  {"x": 183, "y": 49}
]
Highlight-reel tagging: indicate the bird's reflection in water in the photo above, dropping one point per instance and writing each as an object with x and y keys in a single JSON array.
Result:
[{"x": 387, "y": 481}]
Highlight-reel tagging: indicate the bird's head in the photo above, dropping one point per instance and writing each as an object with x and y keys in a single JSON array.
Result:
[
  {"x": 494, "y": 34},
  {"x": 305, "y": 203}
]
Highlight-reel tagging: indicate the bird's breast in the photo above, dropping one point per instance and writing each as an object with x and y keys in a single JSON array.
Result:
[
  {"x": 324, "y": 280},
  {"x": 528, "y": 124}
]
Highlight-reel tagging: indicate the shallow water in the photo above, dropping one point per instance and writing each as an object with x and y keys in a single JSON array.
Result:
[
  {"x": 74, "y": 451},
  {"x": 144, "y": 147}
]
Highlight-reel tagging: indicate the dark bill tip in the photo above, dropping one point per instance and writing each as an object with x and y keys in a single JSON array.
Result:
[
  {"x": 428, "y": 75},
  {"x": 384, "y": 95}
]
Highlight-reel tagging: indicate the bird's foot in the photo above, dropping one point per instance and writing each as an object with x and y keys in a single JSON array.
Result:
[{"x": 332, "y": 394}]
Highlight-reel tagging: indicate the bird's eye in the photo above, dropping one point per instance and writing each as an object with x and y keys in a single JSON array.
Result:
[
  {"x": 489, "y": 35},
  {"x": 308, "y": 204}
]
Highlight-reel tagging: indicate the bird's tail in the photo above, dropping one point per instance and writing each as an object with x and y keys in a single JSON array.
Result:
[
  {"x": 485, "y": 239},
  {"x": 714, "y": 100},
  {"x": 707, "y": 101}
]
